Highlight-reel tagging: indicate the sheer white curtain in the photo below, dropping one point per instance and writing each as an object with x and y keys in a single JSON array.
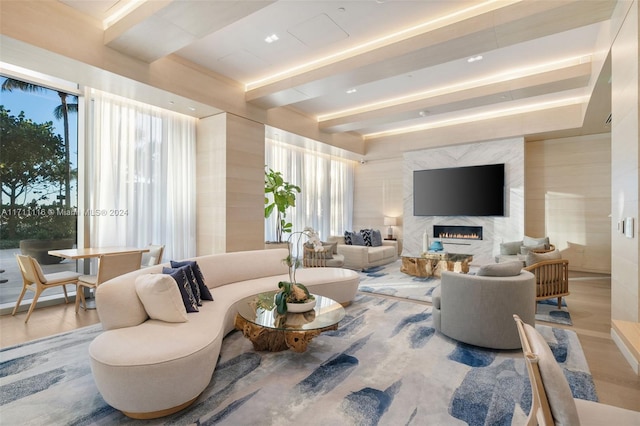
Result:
[
  {"x": 325, "y": 202},
  {"x": 141, "y": 176}
]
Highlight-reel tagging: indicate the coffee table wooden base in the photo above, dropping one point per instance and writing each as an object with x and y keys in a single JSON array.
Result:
[{"x": 267, "y": 339}]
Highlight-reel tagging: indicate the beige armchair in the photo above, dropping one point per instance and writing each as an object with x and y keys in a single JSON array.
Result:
[
  {"x": 321, "y": 259},
  {"x": 552, "y": 401},
  {"x": 478, "y": 310},
  {"x": 552, "y": 279}
]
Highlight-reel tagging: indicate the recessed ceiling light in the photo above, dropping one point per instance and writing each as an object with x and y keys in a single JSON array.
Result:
[
  {"x": 474, "y": 58},
  {"x": 192, "y": 109},
  {"x": 271, "y": 38},
  {"x": 350, "y": 91},
  {"x": 423, "y": 113}
]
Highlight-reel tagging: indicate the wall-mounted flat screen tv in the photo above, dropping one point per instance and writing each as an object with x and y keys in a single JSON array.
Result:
[{"x": 459, "y": 191}]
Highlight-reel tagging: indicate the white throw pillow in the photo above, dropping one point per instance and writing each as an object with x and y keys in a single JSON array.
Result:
[
  {"x": 504, "y": 269},
  {"x": 533, "y": 257},
  {"x": 161, "y": 297},
  {"x": 556, "y": 386}
]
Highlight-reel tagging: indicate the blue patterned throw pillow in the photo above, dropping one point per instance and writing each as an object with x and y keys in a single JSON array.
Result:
[
  {"x": 205, "y": 294},
  {"x": 366, "y": 236},
  {"x": 348, "y": 237},
  {"x": 188, "y": 299}
]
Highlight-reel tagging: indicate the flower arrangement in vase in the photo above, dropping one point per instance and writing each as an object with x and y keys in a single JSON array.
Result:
[{"x": 293, "y": 296}]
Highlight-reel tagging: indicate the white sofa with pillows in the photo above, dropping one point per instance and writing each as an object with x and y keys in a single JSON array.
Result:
[
  {"x": 518, "y": 250},
  {"x": 154, "y": 357},
  {"x": 365, "y": 249}
]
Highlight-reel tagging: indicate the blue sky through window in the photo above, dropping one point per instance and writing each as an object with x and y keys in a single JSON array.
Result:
[{"x": 39, "y": 106}]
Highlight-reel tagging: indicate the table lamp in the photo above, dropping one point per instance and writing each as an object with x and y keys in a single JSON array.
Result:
[{"x": 390, "y": 222}]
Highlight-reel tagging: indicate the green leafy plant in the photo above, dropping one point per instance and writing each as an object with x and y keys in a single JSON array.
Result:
[{"x": 283, "y": 196}]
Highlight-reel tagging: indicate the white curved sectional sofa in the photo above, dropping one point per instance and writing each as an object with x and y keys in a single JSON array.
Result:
[{"x": 148, "y": 368}]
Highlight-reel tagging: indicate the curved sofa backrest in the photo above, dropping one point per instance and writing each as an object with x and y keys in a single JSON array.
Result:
[{"x": 118, "y": 304}]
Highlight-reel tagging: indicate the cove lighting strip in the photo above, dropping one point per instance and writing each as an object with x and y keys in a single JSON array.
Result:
[
  {"x": 469, "y": 84},
  {"x": 404, "y": 34},
  {"x": 505, "y": 112},
  {"x": 119, "y": 13}
]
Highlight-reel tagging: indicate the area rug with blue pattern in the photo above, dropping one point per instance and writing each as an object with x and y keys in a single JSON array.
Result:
[
  {"x": 384, "y": 365},
  {"x": 388, "y": 280}
]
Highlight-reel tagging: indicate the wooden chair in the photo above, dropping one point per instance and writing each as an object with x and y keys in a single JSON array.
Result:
[
  {"x": 153, "y": 256},
  {"x": 552, "y": 279},
  {"x": 320, "y": 259},
  {"x": 34, "y": 279},
  {"x": 552, "y": 401},
  {"x": 109, "y": 266}
]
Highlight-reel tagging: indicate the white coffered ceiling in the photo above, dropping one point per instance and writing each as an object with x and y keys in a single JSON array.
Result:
[{"x": 376, "y": 67}]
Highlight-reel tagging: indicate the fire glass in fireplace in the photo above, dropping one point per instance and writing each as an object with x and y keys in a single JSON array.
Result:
[{"x": 458, "y": 232}]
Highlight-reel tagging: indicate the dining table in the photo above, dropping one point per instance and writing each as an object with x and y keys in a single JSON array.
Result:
[{"x": 89, "y": 253}]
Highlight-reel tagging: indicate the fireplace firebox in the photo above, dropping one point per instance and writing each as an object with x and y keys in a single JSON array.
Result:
[{"x": 457, "y": 232}]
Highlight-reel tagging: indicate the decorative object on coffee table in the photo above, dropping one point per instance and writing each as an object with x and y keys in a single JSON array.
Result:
[{"x": 292, "y": 292}]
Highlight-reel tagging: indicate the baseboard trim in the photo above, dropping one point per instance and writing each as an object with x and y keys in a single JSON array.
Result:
[{"x": 626, "y": 352}]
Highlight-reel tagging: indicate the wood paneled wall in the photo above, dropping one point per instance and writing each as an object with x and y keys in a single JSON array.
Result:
[
  {"x": 230, "y": 184},
  {"x": 568, "y": 198}
]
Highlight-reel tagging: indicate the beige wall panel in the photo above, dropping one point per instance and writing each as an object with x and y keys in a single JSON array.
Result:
[
  {"x": 378, "y": 193},
  {"x": 568, "y": 198},
  {"x": 244, "y": 184},
  {"x": 625, "y": 303},
  {"x": 210, "y": 185}
]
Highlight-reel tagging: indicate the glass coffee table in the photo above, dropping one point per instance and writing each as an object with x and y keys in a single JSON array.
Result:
[
  {"x": 259, "y": 321},
  {"x": 431, "y": 264}
]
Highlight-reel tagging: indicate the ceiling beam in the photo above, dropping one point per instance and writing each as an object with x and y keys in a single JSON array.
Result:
[{"x": 485, "y": 32}]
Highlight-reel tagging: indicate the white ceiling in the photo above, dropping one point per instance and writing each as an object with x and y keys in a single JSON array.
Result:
[{"x": 533, "y": 52}]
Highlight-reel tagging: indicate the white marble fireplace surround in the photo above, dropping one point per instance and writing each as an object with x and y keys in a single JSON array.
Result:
[{"x": 495, "y": 229}]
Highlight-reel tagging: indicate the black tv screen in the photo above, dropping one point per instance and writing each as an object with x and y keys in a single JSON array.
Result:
[{"x": 459, "y": 191}]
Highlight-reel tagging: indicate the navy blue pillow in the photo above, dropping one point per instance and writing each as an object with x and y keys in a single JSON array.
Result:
[
  {"x": 180, "y": 276},
  {"x": 195, "y": 290},
  {"x": 205, "y": 294}
]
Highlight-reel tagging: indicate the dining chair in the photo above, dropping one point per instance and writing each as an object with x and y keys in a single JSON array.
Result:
[
  {"x": 109, "y": 266},
  {"x": 552, "y": 401},
  {"x": 34, "y": 279},
  {"x": 153, "y": 256}
]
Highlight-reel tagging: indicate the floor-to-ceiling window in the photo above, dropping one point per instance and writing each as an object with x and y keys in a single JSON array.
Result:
[
  {"x": 325, "y": 202},
  {"x": 140, "y": 176},
  {"x": 38, "y": 176}
]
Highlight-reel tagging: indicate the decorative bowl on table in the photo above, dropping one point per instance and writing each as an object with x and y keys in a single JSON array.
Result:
[{"x": 301, "y": 307}]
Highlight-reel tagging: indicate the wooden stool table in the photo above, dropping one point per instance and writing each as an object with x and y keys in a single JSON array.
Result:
[
  {"x": 259, "y": 321},
  {"x": 431, "y": 264}
]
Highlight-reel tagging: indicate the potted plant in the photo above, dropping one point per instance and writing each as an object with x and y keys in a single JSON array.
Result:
[
  {"x": 294, "y": 296},
  {"x": 283, "y": 196}
]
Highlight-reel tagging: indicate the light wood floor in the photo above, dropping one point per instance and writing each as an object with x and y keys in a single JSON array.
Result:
[{"x": 589, "y": 305}]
